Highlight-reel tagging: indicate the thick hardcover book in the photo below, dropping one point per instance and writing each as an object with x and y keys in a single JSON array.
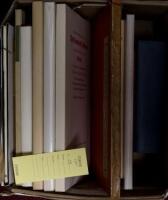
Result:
[
  {"x": 149, "y": 96},
  {"x": 19, "y": 20},
  {"x": 128, "y": 101},
  {"x": 100, "y": 101},
  {"x": 72, "y": 84},
  {"x": 26, "y": 91},
  {"x": 37, "y": 52},
  {"x": 49, "y": 83}
]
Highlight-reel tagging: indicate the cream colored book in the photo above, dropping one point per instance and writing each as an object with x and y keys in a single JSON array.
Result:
[
  {"x": 26, "y": 91},
  {"x": 19, "y": 20},
  {"x": 37, "y": 52},
  {"x": 49, "y": 83}
]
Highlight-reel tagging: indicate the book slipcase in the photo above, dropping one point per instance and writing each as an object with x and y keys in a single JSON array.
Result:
[{"x": 89, "y": 189}]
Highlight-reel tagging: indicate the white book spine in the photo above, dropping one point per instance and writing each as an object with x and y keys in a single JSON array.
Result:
[
  {"x": 60, "y": 85},
  {"x": 49, "y": 83},
  {"x": 60, "y": 77},
  {"x": 26, "y": 92},
  {"x": 129, "y": 87}
]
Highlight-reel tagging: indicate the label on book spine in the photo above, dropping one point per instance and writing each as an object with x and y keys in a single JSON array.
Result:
[{"x": 40, "y": 167}]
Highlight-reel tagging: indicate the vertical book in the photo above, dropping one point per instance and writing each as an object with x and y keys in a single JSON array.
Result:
[
  {"x": 128, "y": 102},
  {"x": 49, "y": 83},
  {"x": 72, "y": 84},
  {"x": 26, "y": 91},
  {"x": 100, "y": 101},
  {"x": 37, "y": 50},
  {"x": 19, "y": 20},
  {"x": 150, "y": 96}
]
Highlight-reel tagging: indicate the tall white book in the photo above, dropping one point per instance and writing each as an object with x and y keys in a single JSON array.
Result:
[
  {"x": 26, "y": 91},
  {"x": 72, "y": 84},
  {"x": 49, "y": 83},
  {"x": 128, "y": 106}
]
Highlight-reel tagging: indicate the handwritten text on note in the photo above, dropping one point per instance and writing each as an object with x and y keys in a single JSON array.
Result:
[{"x": 61, "y": 164}]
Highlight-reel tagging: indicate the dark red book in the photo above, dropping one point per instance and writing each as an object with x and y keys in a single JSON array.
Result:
[{"x": 100, "y": 134}]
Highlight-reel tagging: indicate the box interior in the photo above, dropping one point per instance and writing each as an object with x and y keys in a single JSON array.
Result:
[{"x": 150, "y": 171}]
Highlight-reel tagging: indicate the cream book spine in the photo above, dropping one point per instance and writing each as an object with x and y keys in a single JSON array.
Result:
[
  {"x": 37, "y": 49},
  {"x": 26, "y": 91},
  {"x": 19, "y": 20},
  {"x": 49, "y": 83}
]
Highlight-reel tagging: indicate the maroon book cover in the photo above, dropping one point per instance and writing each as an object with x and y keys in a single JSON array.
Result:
[{"x": 100, "y": 134}]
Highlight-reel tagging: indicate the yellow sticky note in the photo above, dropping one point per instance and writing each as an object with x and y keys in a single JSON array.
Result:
[{"x": 48, "y": 166}]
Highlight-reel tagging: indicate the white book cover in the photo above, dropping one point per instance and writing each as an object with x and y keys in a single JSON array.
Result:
[
  {"x": 72, "y": 84},
  {"x": 26, "y": 91},
  {"x": 128, "y": 106},
  {"x": 49, "y": 83},
  {"x": 10, "y": 61}
]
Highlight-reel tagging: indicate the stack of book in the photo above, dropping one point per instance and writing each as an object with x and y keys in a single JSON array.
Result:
[
  {"x": 50, "y": 83},
  {"x": 56, "y": 85}
]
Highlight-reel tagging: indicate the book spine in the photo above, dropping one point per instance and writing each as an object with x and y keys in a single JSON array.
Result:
[
  {"x": 128, "y": 112},
  {"x": 60, "y": 85},
  {"x": 19, "y": 20},
  {"x": 122, "y": 94},
  {"x": 26, "y": 91},
  {"x": 150, "y": 91},
  {"x": 49, "y": 83},
  {"x": 10, "y": 46},
  {"x": 19, "y": 17},
  {"x": 37, "y": 49},
  {"x": 100, "y": 124},
  {"x": 4, "y": 29},
  {"x": 1, "y": 112}
]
